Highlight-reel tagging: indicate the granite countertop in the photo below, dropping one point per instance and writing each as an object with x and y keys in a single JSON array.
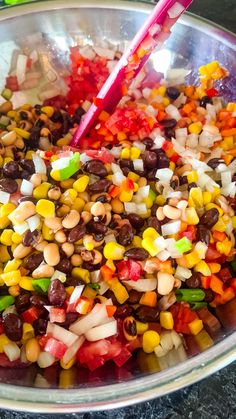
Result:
[{"x": 213, "y": 397}]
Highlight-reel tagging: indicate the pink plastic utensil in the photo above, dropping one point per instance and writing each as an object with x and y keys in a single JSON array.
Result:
[{"x": 152, "y": 35}]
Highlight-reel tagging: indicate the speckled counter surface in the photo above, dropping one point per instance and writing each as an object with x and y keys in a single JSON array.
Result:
[{"x": 213, "y": 397}]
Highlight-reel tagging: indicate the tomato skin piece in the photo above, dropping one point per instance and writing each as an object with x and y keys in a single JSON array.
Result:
[{"x": 129, "y": 269}]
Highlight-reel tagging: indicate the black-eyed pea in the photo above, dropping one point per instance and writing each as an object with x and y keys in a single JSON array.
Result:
[
  {"x": 117, "y": 206},
  {"x": 54, "y": 193},
  {"x": 177, "y": 283},
  {"x": 86, "y": 216},
  {"x": 41, "y": 246},
  {"x": 89, "y": 242},
  {"x": 21, "y": 251},
  {"x": 60, "y": 236},
  {"x": 44, "y": 177},
  {"x": 76, "y": 260},
  {"x": 9, "y": 152},
  {"x": 25, "y": 125},
  {"x": 43, "y": 271},
  {"x": 8, "y": 138},
  {"x": 54, "y": 223},
  {"x": 71, "y": 219},
  {"x": 108, "y": 218},
  {"x": 68, "y": 248},
  {"x": 171, "y": 212},
  {"x": 160, "y": 214},
  {"x": 51, "y": 254},
  {"x": 97, "y": 257},
  {"x": 173, "y": 202},
  {"x": 108, "y": 207},
  {"x": 36, "y": 179},
  {"x": 19, "y": 143},
  {"x": 98, "y": 209}
]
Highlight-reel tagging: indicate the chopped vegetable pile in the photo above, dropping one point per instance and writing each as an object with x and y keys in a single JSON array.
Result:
[{"x": 127, "y": 245}]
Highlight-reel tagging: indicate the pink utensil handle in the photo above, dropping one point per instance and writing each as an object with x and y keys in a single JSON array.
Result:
[{"x": 153, "y": 33}]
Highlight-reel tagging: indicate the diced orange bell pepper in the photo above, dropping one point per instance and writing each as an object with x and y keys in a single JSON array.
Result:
[
  {"x": 106, "y": 273},
  {"x": 216, "y": 285},
  {"x": 84, "y": 305},
  {"x": 111, "y": 310},
  {"x": 149, "y": 298},
  {"x": 205, "y": 280},
  {"x": 114, "y": 191},
  {"x": 227, "y": 295},
  {"x": 233, "y": 284},
  {"x": 219, "y": 236},
  {"x": 214, "y": 267}
]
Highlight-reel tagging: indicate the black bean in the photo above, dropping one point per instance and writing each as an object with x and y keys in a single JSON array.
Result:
[
  {"x": 73, "y": 282},
  {"x": 210, "y": 218},
  {"x": 147, "y": 314},
  {"x": 169, "y": 133},
  {"x": 203, "y": 234},
  {"x": 194, "y": 281},
  {"x": 134, "y": 296},
  {"x": 76, "y": 233},
  {"x": 155, "y": 223},
  {"x": 97, "y": 228},
  {"x": 56, "y": 293},
  {"x": 192, "y": 185},
  {"x": 38, "y": 301},
  {"x": 22, "y": 302},
  {"x": 150, "y": 159},
  {"x": 90, "y": 267},
  {"x": 24, "y": 174},
  {"x": 123, "y": 311},
  {"x": 96, "y": 167},
  {"x": 70, "y": 318},
  {"x": 40, "y": 326},
  {"x": 33, "y": 261},
  {"x": 209, "y": 295},
  {"x": 154, "y": 210},
  {"x": 8, "y": 185},
  {"x": 213, "y": 163},
  {"x": 11, "y": 170},
  {"x": 28, "y": 165},
  {"x": 56, "y": 135},
  {"x": 126, "y": 163},
  {"x": 56, "y": 117},
  {"x": 169, "y": 123},
  {"x": 64, "y": 266},
  {"x": 13, "y": 327},
  {"x": 172, "y": 92},
  {"x": 151, "y": 175},
  {"x": 34, "y": 137},
  {"x": 100, "y": 186},
  {"x": 204, "y": 101},
  {"x": 137, "y": 253},
  {"x": 163, "y": 161},
  {"x": 148, "y": 142},
  {"x": 126, "y": 235},
  {"x": 135, "y": 220},
  {"x": 31, "y": 238}
]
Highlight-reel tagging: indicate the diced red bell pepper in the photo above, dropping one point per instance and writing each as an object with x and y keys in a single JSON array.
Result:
[
  {"x": 212, "y": 92},
  {"x": 205, "y": 280},
  {"x": 225, "y": 274},
  {"x": 103, "y": 155},
  {"x": 55, "y": 348},
  {"x": 12, "y": 83},
  {"x": 57, "y": 315},
  {"x": 31, "y": 314}
]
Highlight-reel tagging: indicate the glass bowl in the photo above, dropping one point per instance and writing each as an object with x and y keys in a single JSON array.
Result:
[{"x": 194, "y": 42}]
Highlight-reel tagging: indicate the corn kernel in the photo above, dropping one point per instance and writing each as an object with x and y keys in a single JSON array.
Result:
[
  {"x": 3, "y": 341},
  {"x": 113, "y": 251},
  {"x": 45, "y": 208},
  {"x": 66, "y": 184},
  {"x": 195, "y": 326},
  {"x": 4, "y": 222},
  {"x": 32, "y": 350},
  {"x": 191, "y": 216},
  {"x": 126, "y": 196},
  {"x": 134, "y": 153},
  {"x": 16, "y": 238},
  {"x": 151, "y": 233},
  {"x": 68, "y": 197},
  {"x": 81, "y": 184},
  {"x": 41, "y": 191},
  {"x": 48, "y": 110},
  {"x": 166, "y": 101},
  {"x": 125, "y": 153},
  {"x": 28, "y": 332},
  {"x": 195, "y": 128},
  {"x": 191, "y": 259},
  {"x": 4, "y": 254},
  {"x": 207, "y": 197},
  {"x": 137, "y": 241},
  {"x": 26, "y": 283},
  {"x": 11, "y": 278},
  {"x": 6, "y": 237},
  {"x": 22, "y": 133},
  {"x": 148, "y": 244},
  {"x": 47, "y": 233},
  {"x": 78, "y": 204},
  {"x": 6, "y": 209},
  {"x": 81, "y": 273},
  {"x": 192, "y": 177},
  {"x": 195, "y": 198},
  {"x": 160, "y": 200},
  {"x": 55, "y": 174},
  {"x": 234, "y": 221},
  {"x": 14, "y": 290},
  {"x": 166, "y": 320},
  {"x": 151, "y": 339},
  {"x": 220, "y": 225},
  {"x": 141, "y": 327}
]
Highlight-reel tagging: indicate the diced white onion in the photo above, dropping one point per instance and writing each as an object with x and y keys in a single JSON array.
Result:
[
  {"x": 166, "y": 341},
  {"x": 170, "y": 228},
  {"x": 115, "y": 168},
  {"x": 159, "y": 141},
  {"x": 165, "y": 283},
  {"x": 172, "y": 111},
  {"x": 146, "y": 92},
  {"x": 61, "y": 163},
  {"x": 142, "y": 285},
  {"x": 41, "y": 382},
  {"x": 182, "y": 273},
  {"x": 4, "y": 197},
  {"x": 40, "y": 166},
  {"x": 61, "y": 334},
  {"x": 109, "y": 54},
  {"x": 164, "y": 175},
  {"x": 76, "y": 294},
  {"x": 143, "y": 191},
  {"x": 102, "y": 332},
  {"x": 226, "y": 178},
  {"x": 130, "y": 207},
  {"x": 175, "y": 10},
  {"x": 21, "y": 68},
  {"x": 176, "y": 339},
  {"x": 45, "y": 359},
  {"x": 21, "y": 228},
  {"x": 12, "y": 351},
  {"x": 33, "y": 222},
  {"x": 138, "y": 164},
  {"x": 115, "y": 151},
  {"x": 59, "y": 275},
  {"x": 159, "y": 351},
  {"x": 73, "y": 349},
  {"x": 139, "y": 145},
  {"x": 87, "y": 52},
  {"x": 94, "y": 318},
  {"x": 141, "y": 209},
  {"x": 118, "y": 178}
]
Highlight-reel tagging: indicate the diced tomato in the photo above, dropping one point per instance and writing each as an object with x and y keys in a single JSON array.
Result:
[
  {"x": 42, "y": 340},
  {"x": 104, "y": 155},
  {"x": 57, "y": 315},
  {"x": 129, "y": 269},
  {"x": 55, "y": 347},
  {"x": 31, "y": 314},
  {"x": 123, "y": 357},
  {"x": 5, "y": 363},
  {"x": 86, "y": 142},
  {"x": 134, "y": 344},
  {"x": 12, "y": 83},
  {"x": 190, "y": 233}
]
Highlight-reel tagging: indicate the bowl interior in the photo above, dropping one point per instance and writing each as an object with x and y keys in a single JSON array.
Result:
[{"x": 193, "y": 43}]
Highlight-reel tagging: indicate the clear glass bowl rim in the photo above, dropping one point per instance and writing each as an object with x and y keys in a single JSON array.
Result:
[{"x": 144, "y": 388}]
